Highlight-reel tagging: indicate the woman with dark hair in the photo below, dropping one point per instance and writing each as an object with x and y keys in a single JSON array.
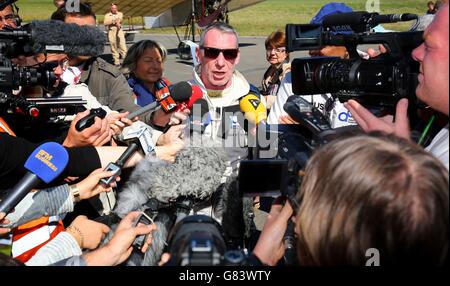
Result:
[
  {"x": 362, "y": 195},
  {"x": 144, "y": 65},
  {"x": 278, "y": 58}
]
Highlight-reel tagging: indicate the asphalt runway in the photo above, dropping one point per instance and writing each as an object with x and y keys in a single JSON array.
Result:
[{"x": 252, "y": 63}]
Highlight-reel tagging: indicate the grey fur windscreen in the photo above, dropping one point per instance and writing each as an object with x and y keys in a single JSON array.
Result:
[
  {"x": 197, "y": 171},
  {"x": 76, "y": 40}
]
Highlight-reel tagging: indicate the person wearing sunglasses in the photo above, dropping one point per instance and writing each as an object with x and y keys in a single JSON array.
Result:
[
  {"x": 278, "y": 58},
  {"x": 393, "y": 204},
  {"x": 223, "y": 86}
]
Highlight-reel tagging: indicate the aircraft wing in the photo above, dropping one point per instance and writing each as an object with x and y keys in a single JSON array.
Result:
[
  {"x": 133, "y": 8},
  {"x": 240, "y": 4}
]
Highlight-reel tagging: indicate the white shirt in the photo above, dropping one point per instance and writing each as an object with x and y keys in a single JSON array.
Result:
[
  {"x": 338, "y": 117},
  {"x": 439, "y": 146}
]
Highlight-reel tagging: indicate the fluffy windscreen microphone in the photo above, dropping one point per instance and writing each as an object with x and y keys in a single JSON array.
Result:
[
  {"x": 196, "y": 172},
  {"x": 58, "y": 37}
]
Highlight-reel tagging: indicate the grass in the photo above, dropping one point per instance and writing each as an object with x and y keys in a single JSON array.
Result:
[{"x": 260, "y": 19}]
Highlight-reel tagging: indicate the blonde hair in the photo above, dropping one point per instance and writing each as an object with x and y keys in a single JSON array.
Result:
[{"x": 373, "y": 191}]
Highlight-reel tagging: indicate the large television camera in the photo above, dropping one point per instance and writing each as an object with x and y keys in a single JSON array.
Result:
[
  {"x": 379, "y": 81},
  {"x": 26, "y": 41}
]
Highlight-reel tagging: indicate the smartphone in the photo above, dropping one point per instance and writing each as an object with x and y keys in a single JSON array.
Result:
[
  {"x": 140, "y": 240},
  {"x": 267, "y": 178}
]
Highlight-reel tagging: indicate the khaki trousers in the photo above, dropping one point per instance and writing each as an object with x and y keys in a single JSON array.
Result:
[{"x": 116, "y": 39}]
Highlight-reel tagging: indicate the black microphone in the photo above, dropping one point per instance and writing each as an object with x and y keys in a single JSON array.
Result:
[
  {"x": 394, "y": 18},
  {"x": 363, "y": 17},
  {"x": 342, "y": 19}
]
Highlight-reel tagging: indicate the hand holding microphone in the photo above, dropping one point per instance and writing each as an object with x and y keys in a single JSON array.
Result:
[{"x": 45, "y": 164}]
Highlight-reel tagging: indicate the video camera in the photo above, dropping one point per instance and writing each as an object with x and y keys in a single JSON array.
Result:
[
  {"x": 15, "y": 43},
  {"x": 198, "y": 240},
  {"x": 379, "y": 81}
]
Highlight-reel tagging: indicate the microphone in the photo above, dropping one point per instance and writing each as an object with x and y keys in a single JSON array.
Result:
[
  {"x": 71, "y": 39},
  {"x": 196, "y": 95},
  {"x": 44, "y": 165},
  {"x": 254, "y": 111},
  {"x": 199, "y": 117},
  {"x": 394, "y": 18},
  {"x": 138, "y": 136},
  {"x": 196, "y": 174},
  {"x": 53, "y": 36},
  {"x": 363, "y": 17},
  {"x": 170, "y": 96},
  {"x": 167, "y": 97}
]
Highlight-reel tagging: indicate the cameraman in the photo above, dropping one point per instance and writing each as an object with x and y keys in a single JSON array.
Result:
[
  {"x": 432, "y": 89},
  {"x": 381, "y": 193},
  {"x": 8, "y": 17}
]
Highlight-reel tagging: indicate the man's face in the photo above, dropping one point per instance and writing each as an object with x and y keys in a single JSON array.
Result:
[
  {"x": 113, "y": 9},
  {"x": 61, "y": 62},
  {"x": 216, "y": 73},
  {"x": 7, "y": 18},
  {"x": 433, "y": 58}
]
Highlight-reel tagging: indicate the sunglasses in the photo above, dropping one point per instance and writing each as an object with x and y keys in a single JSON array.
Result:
[{"x": 213, "y": 53}]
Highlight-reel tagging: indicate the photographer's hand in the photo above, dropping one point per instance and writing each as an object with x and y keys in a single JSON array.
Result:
[
  {"x": 90, "y": 187},
  {"x": 119, "y": 248},
  {"x": 369, "y": 122},
  {"x": 270, "y": 246},
  {"x": 96, "y": 135}
]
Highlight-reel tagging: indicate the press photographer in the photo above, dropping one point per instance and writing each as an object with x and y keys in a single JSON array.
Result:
[{"x": 432, "y": 89}]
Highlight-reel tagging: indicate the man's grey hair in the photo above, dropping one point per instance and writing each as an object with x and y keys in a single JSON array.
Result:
[
  {"x": 222, "y": 27},
  {"x": 137, "y": 50}
]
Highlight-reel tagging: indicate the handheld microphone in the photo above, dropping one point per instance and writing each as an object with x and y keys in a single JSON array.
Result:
[
  {"x": 197, "y": 94},
  {"x": 170, "y": 96},
  {"x": 255, "y": 112},
  {"x": 167, "y": 97},
  {"x": 199, "y": 117},
  {"x": 138, "y": 136},
  {"x": 44, "y": 165},
  {"x": 253, "y": 109}
]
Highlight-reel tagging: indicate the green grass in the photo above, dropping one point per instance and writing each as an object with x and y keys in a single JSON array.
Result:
[{"x": 260, "y": 19}]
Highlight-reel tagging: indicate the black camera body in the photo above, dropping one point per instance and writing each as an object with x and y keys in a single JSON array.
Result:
[
  {"x": 18, "y": 42},
  {"x": 198, "y": 240},
  {"x": 379, "y": 81}
]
